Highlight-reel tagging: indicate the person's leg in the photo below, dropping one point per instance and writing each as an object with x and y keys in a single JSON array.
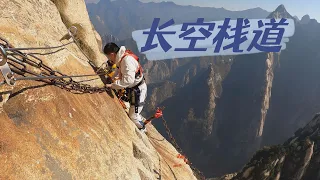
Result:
[{"x": 136, "y": 116}]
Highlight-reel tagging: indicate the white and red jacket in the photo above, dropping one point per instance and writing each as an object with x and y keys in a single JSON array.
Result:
[{"x": 126, "y": 73}]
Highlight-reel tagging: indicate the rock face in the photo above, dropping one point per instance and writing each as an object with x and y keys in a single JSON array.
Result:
[
  {"x": 293, "y": 98},
  {"x": 298, "y": 158},
  {"x": 258, "y": 93},
  {"x": 192, "y": 90},
  {"x": 169, "y": 78},
  {"x": 86, "y": 32},
  {"x": 46, "y": 133},
  {"x": 49, "y": 133}
]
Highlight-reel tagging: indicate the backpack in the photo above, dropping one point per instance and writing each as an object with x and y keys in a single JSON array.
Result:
[{"x": 130, "y": 53}]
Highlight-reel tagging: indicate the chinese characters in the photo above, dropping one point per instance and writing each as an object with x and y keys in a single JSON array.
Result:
[{"x": 238, "y": 37}]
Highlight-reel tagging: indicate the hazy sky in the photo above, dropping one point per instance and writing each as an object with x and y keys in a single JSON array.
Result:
[{"x": 294, "y": 7}]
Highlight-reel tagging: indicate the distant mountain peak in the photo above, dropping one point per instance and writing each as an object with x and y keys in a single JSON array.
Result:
[
  {"x": 281, "y": 8},
  {"x": 280, "y": 12},
  {"x": 137, "y": 14},
  {"x": 305, "y": 19},
  {"x": 306, "y": 16}
]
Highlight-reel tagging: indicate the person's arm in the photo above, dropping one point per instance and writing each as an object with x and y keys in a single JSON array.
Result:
[{"x": 128, "y": 69}]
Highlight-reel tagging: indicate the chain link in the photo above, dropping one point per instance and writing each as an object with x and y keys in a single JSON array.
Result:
[
  {"x": 23, "y": 63},
  {"x": 196, "y": 171}
]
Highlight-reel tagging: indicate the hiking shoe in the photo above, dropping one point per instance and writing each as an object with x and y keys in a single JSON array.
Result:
[{"x": 143, "y": 129}]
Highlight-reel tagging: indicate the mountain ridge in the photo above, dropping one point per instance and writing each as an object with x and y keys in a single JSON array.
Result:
[
  {"x": 296, "y": 158},
  {"x": 130, "y": 15},
  {"x": 246, "y": 114},
  {"x": 249, "y": 113}
]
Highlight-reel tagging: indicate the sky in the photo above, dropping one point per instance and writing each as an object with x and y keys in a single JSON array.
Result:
[{"x": 297, "y": 8}]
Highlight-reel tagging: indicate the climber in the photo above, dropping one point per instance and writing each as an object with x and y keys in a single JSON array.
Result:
[{"x": 131, "y": 78}]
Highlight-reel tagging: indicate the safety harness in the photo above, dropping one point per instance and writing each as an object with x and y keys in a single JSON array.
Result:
[
  {"x": 139, "y": 70},
  {"x": 134, "y": 93}
]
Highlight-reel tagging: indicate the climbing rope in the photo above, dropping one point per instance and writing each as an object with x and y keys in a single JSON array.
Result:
[
  {"x": 196, "y": 171},
  {"x": 14, "y": 61},
  {"x": 159, "y": 114}
]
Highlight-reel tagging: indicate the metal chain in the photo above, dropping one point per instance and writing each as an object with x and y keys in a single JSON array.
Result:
[
  {"x": 196, "y": 171},
  {"x": 22, "y": 63}
]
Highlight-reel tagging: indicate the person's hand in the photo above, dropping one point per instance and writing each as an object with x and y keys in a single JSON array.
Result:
[{"x": 108, "y": 85}]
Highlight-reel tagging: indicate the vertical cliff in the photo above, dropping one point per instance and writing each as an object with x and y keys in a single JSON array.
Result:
[
  {"x": 272, "y": 62},
  {"x": 297, "y": 158},
  {"x": 294, "y": 93},
  {"x": 49, "y": 133}
]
